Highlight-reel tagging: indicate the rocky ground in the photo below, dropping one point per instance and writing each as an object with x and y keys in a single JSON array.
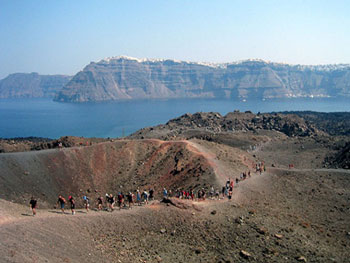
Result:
[
  {"x": 36, "y": 144},
  {"x": 298, "y": 214}
]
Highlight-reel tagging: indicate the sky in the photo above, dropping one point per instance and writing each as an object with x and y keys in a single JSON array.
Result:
[{"x": 61, "y": 37}]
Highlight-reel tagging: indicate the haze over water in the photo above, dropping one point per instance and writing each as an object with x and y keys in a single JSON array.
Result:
[{"x": 45, "y": 118}]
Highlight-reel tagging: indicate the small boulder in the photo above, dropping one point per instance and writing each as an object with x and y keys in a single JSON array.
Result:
[
  {"x": 244, "y": 254},
  {"x": 262, "y": 230},
  {"x": 279, "y": 236},
  {"x": 239, "y": 220},
  {"x": 301, "y": 259},
  {"x": 252, "y": 211},
  {"x": 198, "y": 250}
]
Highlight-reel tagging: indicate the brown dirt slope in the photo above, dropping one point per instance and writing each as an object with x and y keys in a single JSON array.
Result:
[
  {"x": 284, "y": 215},
  {"x": 280, "y": 216},
  {"x": 123, "y": 165}
]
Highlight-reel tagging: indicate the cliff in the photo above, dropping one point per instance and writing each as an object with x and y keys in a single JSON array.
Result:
[
  {"x": 31, "y": 85},
  {"x": 130, "y": 78}
]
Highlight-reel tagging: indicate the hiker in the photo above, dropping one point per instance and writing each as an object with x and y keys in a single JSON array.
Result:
[
  {"x": 203, "y": 194},
  {"x": 86, "y": 202},
  {"x": 212, "y": 191},
  {"x": 230, "y": 193},
  {"x": 120, "y": 200},
  {"x": 223, "y": 190},
  {"x": 151, "y": 194},
  {"x": 165, "y": 193},
  {"x": 72, "y": 204},
  {"x": 33, "y": 205},
  {"x": 226, "y": 191},
  {"x": 138, "y": 197},
  {"x": 237, "y": 181},
  {"x": 177, "y": 194},
  {"x": 99, "y": 203},
  {"x": 228, "y": 182},
  {"x": 192, "y": 194},
  {"x": 110, "y": 200},
  {"x": 231, "y": 184},
  {"x": 199, "y": 195},
  {"x": 145, "y": 197},
  {"x": 61, "y": 201},
  {"x": 129, "y": 196}
]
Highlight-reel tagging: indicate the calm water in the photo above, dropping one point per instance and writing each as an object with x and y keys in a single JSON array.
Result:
[{"x": 45, "y": 118}]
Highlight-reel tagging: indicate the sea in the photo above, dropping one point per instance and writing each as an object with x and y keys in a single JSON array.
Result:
[{"x": 48, "y": 119}]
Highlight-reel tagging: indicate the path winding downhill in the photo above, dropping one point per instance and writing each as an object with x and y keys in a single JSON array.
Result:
[
  {"x": 11, "y": 212},
  {"x": 219, "y": 169}
]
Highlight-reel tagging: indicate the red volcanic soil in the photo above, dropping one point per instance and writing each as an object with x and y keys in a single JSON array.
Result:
[
  {"x": 108, "y": 167},
  {"x": 284, "y": 215}
]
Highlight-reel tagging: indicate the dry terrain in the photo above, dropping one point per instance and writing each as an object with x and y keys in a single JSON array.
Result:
[{"x": 298, "y": 214}]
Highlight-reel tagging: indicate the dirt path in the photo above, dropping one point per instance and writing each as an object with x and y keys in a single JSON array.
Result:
[
  {"x": 273, "y": 169},
  {"x": 219, "y": 168},
  {"x": 221, "y": 171}
]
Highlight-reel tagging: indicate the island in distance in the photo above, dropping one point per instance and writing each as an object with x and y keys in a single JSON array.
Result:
[
  {"x": 125, "y": 78},
  {"x": 31, "y": 85},
  {"x": 120, "y": 78}
]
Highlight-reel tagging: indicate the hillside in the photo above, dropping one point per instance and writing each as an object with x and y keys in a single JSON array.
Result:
[
  {"x": 123, "y": 165},
  {"x": 31, "y": 85},
  {"x": 294, "y": 211},
  {"x": 333, "y": 123},
  {"x": 283, "y": 215},
  {"x": 120, "y": 78},
  {"x": 212, "y": 124}
]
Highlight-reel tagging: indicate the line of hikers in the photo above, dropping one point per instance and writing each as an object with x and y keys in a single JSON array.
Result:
[
  {"x": 109, "y": 201},
  {"x": 130, "y": 199}
]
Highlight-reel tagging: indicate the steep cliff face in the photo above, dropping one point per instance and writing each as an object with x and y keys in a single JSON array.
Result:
[
  {"x": 131, "y": 78},
  {"x": 32, "y": 85}
]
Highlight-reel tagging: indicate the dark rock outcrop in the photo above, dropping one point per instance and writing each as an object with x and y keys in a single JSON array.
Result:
[
  {"x": 130, "y": 78},
  {"x": 204, "y": 124},
  {"x": 36, "y": 144},
  {"x": 333, "y": 123},
  {"x": 31, "y": 85},
  {"x": 341, "y": 159}
]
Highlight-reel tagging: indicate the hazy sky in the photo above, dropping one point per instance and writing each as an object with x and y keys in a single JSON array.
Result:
[{"x": 61, "y": 37}]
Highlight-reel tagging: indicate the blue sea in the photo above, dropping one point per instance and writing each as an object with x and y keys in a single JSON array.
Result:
[{"x": 45, "y": 118}]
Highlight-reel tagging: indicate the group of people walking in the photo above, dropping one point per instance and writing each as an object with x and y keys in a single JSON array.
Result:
[
  {"x": 109, "y": 202},
  {"x": 61, "y": 202},
  {"x": 128, "y": 200}
]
